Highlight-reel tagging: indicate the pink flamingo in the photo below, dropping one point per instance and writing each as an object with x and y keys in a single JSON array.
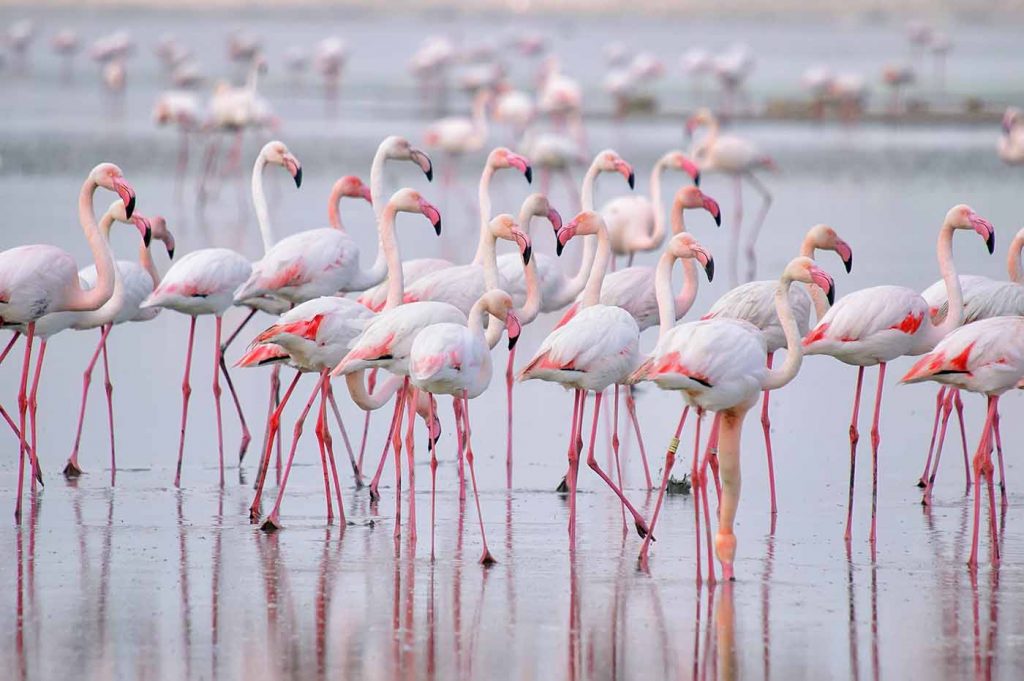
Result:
[
  {"x": 595, "y": 349},
  {"x": 983, "y": 298},
  {"x": 878, "y": 324},
  {"x": 1010, "y": 146},
  {"x": 40, "y": 279},
  {"x": 738, "y": 158},
  {"x": 135, "y": 281},
  {"x": 455, "y": 359},
  {"x": 754, "y": 302},
  {"x": 985, "y": 357},
  {"x": 457, "y": 136},
  {"x": 203, "y": 283},
  {"x": 637, "y": 223},
  {"x": 721, "y": 365},
  {"x": 404, "y": 200}
]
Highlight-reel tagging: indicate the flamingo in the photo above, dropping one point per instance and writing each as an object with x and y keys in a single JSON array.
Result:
[
  {"x": 878, "y": 324},
  {"x": 557, "y": 289},
  {"x": 404, "y": 200},
  {"x": 329, "y": 58},
  {"x": 595, "y": 349},
  {"x": 134, "y": 282},
  {"x": 754, "y": 302},
  {"x": 203, "y": 283},
  {"x": 181, "y": 109},
  {"x": 455, "y": 359},
  {"x": 720, "y": 365},
  {"x": 984, "y": 357},
  {"x": 416, "y": 269},
  {"x": 637, "y": 223},
  {"x": 457, "y": 136},
  {"x": 898, "y": 77},
  {"x": 738, "y": 158},
  {"x": 40, "y": 279},
  {"x": 983, "y": 298},
  {"x": 1011, "y": 142},
  {"x": 66, "y": 44},
  {"x": 553, "y": 153}
]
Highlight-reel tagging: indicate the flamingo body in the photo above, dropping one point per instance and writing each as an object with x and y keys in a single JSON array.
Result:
[
  {"x": 754, "y": 302},
  {"x": 202, "y": 282}
]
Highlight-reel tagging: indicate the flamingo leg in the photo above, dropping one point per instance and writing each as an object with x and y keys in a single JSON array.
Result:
[
  {"x": 993, "y": 532},
  {"x": 711, "y": 455},
  {"x": 999, "y": 457},
  {"x": 615, "y": 452},
  {"x": 875, "y": 439},
  {"x": 410, "y": 443},
  {"x": 396, "y": 443},
  {"x": 432, "y": 446},
  {"x": 186, "y": 392},
  {"x": 638, "y": 520},
  {"x": 22, "y": 412},
  {"x": 321, "y": 414},
  {"x": 246, "y": 435},
  {"x": 574, "y": 462},
  {"x": 328, "y": 394},
  {"x": 698, "y": 489},
  {"x": 108, "y": 387},
  {"x": 939, "y": 397},
  {"x": 980, "y": 456},
  {"x": 371, "y": 381},
  {"x": 509, "y": 377},
  {"x": 947, "y": 408},
  {"x": 958, "y": 403},
  {"x": 854, "y": 437},
  {"x": 273, "y": 521},
  {"x": 631, "y": 409},
  {"x": 273, "y": 424},
  {"x": 33, "y": 410},
  {"x": 216, "y": 396},
  {"x": 670, "y": 458},
  {"x": 344, "y": 436},
  {"x": 755, "y": 231},
  {"x": 486, "y": 558},
  {"x": 766, "y": 425},
  {"x": 10, "y": 344},
  {"x": 72, "y": 469},
  {"x": 374, "y": 495},
  {"x": 461, "y": 441}
]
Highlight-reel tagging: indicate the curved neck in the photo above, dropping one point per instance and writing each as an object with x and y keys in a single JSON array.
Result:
[
  {"x": 103, "y": 258},
  {"x": 579, "y": 280},
  {"x": 650, "y": 241},
  {"x": 684, "y": 301},
  {"x": 592, "y": 292},
  {"x": 808, "y": 249},
  {"x": 1013, "y": 259},
  {"x": 531, "y": 307},
  {"x": 476, "y": 317},
  {"x": 146, "y": 261},
  {"x": 363, "y": 399},
  {"x": 333, "y": 204},
  {"x": 778, "y": 377},
  {"x": 259, "y": 201},
  {"x": 663, "y": 293},
  {"x": 377, "y": 181},
  {"x": 389, "y": 248},
  {"x": 955, "y": 314},
  {"x": 484, "y": 199}
]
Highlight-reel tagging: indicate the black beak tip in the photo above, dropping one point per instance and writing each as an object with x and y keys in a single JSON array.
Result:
[
  {"x": 631, "y": 179},
  {"x": 831, "y": 295},
  {"x": 558, "y": 248},
  {"x": 298, "y": 177},
  {"x": 526, "y": 255},
  {"x": 437, "y": 227},
  {"x": 848, "y": 263},
  {"x": 429, "y": 172},
  {"x": 512, "y": 340},
  {"x": 709, "y": 269},
  {"x": 170, "y": 253},
  {"x": 130, "y": 207},
  {"x": 529, "y": 174},
  {"x": 696, "y": 180},
  {"x": 147, "y": 237},
  {"x": 991, "y": 242},
  {"x": 718, "y": 219}
]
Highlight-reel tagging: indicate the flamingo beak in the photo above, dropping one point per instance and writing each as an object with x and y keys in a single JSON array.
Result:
[
  {"x": 521, "y": 164},
  {"x": 421, "y": 159},
  {"x": 690, "y": 168},
  {"x": 846, "y": 253},
  {"x": 555, "y": 219},
  {"x": 985, "y": 229},
  {"x": 525, "y": 247},
  {"x": 711, "y": 206},
  {"x": 432, "y": 214},
  {"x": 627, "y": 172},
  {"x": 515, "y": 328},
  {"x": 127, "y": 194},
  {"x": 364, "y": 192},
  {"x": 144, "y": 227},
  {"x": 706, "y": 261},
  {"x": 824, "y": 281},
  {"x": 295, "y": 168},
  {"x": 564, "y": 235}
]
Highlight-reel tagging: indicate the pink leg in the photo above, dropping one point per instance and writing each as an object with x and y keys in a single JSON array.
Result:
[
  {"x": 697, "y": 487},
  {"x": 273, "y": 521},
  {"x": 396, "y": 443},
  {"x": 615, "y": 453},
  {"x": 432, "y": 446},
  {"x": 273, "y": 424},
  {"x": 980, "y": 456},
  {"x": 947, "y": 408},
  {"x": 318, "y": 430},
  {"x": 631, "y": 408},
  {"x": 766, "y": 425},
  {"x": 246, "y": 435},
  {"x": 461, "y": 441},
  {"x": 710, "y": 455},
  {"x": 33, "y": 409},
  {"x": 329, "y": 443},
  {"x": 72, "y": 469},
  {"x": 999, "y": 457},
  {"x": 371, "y": 381},
  {"x": 186, "y": 392},
  {"x": 356, "y": 472},
  {"x": 670, "y": 458},
  {"x": 10, "y": 344},
  {"x": 410, "y": 457},
  {"x": 875, "y": 439},
  {"x": 22, "y": 412},
  {"x": 574, "y": 464},
  {"x": 108, "y": 387},
  {"x": 963, "y": 434},
  {"x": 939, "y": 397},
  {"x": 509, "y": 376},
  {"x": 993, "y": 532},
  {"x": 486, "y": 558},
  {"x": 854, "y": 437},
  {"x": 374, "y": 495},
  {"x": 216, "y": 396},
  {"x": 275, "y": 384},
  {"x": 638, "y": 520}
]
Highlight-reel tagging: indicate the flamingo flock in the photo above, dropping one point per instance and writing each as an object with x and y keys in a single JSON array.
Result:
[{"x": 408, "y": 331}]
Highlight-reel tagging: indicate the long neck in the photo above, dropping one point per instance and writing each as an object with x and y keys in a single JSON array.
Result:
[
  {"x": 579, "y": 280},
  {"x": 146, "y": 261},
  {"x": 389, "y": 248},
  {"x": 103, "y": 258},
  {"x": 484, "y": 200},
  {"x": 955, "y": 315},
  {"x": 476, "y": 317},
  {"x": 808, "y": 250},
  {"x": 377, "y": 181},
  {"x": 531, "y": 307},
  {"x": 259, "y": 201},
  {"x": 688, "y": 294},
  {"x": 363, "y": 399},
  {"x": 1013, "y": 259},
  {"x": 778, "y": 377},
  {"x": 333, "y": 214},
  {"x": 663, "y": 292},
  {"x": 592, "y": 292},
  {"x": 653, "y": 240}
]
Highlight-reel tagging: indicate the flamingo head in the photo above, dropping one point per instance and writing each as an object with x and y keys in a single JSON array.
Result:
[
  {"x": 504, "y": 227},
  {"x": 610, "y": 162},
  {"x": 963, "y": 216},
  {"x": 683, "y": 245},
  {"x": 825, "y": 238},
  {"x": 502, "y": 157},
  {"x": 804, "y": 270},
  {"x": 700, "y": 118},
  {"x": 691, "y": 197},
  {"x": 587, "y": 222},
  {"x": 161, "y": 233},
  {"x": 276, "y": 152},
  {"x": 499, "y": 304},
  {"x": 117, "y": 212},
  {"x": 680, "y": 161},
  {"x": 411, "y": 201},
  {"x": 400, "y": 149},
  {"x": 352, "y": 187},
  {"x": 110, "y": 177}
]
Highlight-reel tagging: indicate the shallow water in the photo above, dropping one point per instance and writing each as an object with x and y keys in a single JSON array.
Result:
[{"x": 141, "y": 580}]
